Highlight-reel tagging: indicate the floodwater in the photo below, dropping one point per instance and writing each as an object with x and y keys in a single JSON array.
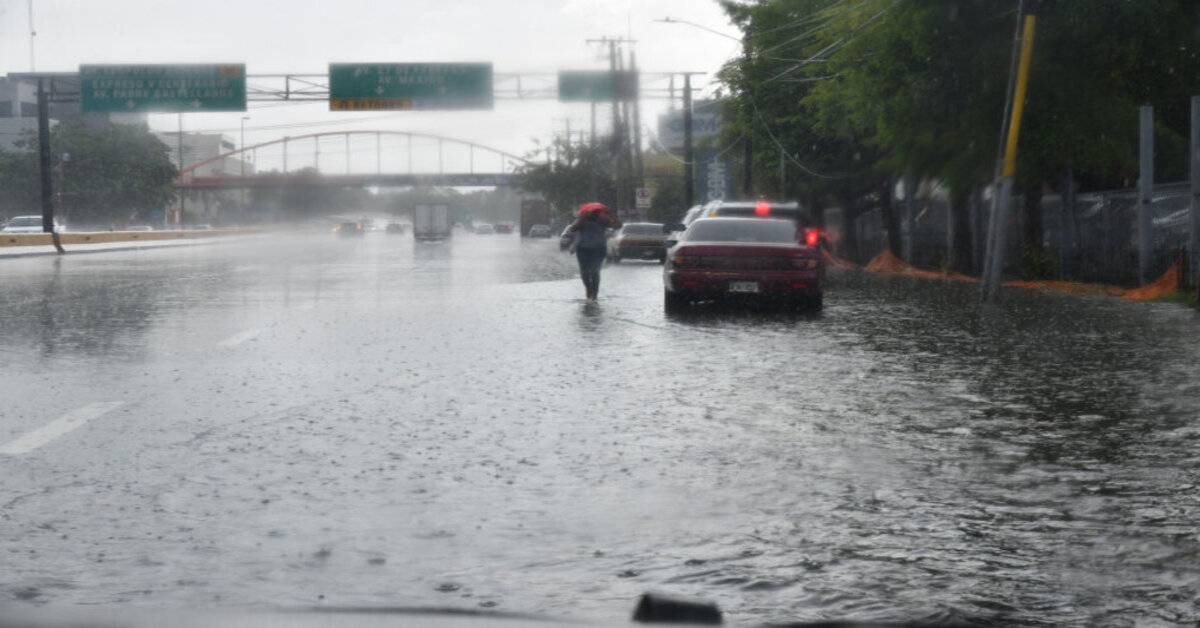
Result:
[{"x": 302, "y": 420}]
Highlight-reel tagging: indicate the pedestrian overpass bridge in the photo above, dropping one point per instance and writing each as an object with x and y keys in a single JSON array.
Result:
[{"x": 484, "y": 166}]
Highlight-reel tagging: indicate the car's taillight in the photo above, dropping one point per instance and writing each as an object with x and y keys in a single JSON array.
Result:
[
  {"x": 685, "y": 261},
  {"x": 812, "y": 237},
  {"x": 762, "y": 208}
]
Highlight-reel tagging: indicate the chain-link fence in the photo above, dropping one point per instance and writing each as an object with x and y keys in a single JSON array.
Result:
[{"x": 1095, "y": 241}]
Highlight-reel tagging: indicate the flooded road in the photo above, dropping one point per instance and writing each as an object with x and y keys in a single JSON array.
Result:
[{"x": 299, "y": 420}]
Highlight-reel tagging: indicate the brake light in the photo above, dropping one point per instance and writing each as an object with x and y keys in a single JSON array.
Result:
[
  {"x": 762, "y": 208},
  {"x": 684, "y": 261},
  {"x": 812, "y": 237}
]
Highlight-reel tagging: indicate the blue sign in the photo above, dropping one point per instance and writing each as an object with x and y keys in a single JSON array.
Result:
[{"x": 714, "y": 180}]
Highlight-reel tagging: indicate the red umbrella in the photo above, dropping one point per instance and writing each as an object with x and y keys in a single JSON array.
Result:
[{"x": 592, "y": 208}]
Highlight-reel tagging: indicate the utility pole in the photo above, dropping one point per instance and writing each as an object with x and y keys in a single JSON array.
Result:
[
  {"x": 994, "y": 265},
  {"x": 639, "y": 167},
  {"x": 1145, "y": 192},
  {"x": 910, "y": 214},
  {"x": 182, "y": 193},
  {"x": 593, "y": 183},
  {"x": 747, "y": 141},
  {"x": 689, "y": 156},
  {"x": 44, "y": 165},
  {"x": 570, "y": 150},
  {"x": 782, "y": 172},
  {"x": 242, "y": 159},
  {"x": 1194, "y": 245},
  {"x": 619, "y": 141},
  {"x": 32, "y": 36}
]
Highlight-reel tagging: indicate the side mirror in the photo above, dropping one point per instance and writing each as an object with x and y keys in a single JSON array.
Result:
[{"x": 670, "y": 242}]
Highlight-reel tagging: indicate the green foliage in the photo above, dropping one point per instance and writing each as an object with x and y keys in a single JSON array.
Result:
[
  {"x": 19, "y": 191},
  {"x": 567, "y": 178},
  {"x": 856, "y": 88},
  {"x": 667, "y": 205},
  {"x": 114, "y": 173}
]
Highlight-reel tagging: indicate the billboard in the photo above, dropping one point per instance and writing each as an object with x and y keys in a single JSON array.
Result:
[{"x": 706, "y": 124}]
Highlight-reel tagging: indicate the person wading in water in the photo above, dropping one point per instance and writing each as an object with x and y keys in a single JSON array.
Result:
[{"x": 591, "y": 243}]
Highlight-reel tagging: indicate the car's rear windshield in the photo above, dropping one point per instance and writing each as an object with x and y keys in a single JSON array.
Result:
[
  {"x": 25, "y": 221},
  {"x": 644, "y": 228},
  {"x": 775, "y": 211},
  {"x": 742, "y": 230}
]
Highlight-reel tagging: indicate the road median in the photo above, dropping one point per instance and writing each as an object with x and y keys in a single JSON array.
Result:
[{"x": 104, "y": 237}]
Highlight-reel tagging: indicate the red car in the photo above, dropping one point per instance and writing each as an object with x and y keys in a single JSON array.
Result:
[
  {"x": 505, "y": 227},
  {"x": 741, "y": 258}
]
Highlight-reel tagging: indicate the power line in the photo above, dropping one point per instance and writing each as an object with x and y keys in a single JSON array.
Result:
[
  {"x": 783, "y": 149},
  {"x": 836, "y": 46}
]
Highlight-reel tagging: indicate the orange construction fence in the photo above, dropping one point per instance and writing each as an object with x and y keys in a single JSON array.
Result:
[{"x": 887, "y": 263}]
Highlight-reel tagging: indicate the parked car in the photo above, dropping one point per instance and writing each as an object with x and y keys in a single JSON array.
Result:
[
  {"x": 396, "y": 227},
  {"x": 743, "y": 258},
  {"x": 484, "y": 228},
  {"x": 348, "y": 229},
  {"x": 505, "y": 227},
  {"x": 539, "y": 231},
  {"x": 638, "y": 240},
  {"x": 27, "y": 224}
]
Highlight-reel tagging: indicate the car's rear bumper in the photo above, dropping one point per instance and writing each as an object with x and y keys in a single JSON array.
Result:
[
  {"x": 716, "y": 284},
  {"x": 641, "y": 251}
]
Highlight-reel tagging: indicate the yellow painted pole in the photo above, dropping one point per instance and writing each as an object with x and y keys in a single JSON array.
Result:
[{"x": 1014, "y": 128}]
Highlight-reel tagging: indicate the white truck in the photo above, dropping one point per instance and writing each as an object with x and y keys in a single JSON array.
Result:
[{"x": 431, "y": 221}]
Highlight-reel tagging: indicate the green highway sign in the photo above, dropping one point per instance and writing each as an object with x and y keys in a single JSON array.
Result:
[
  {"x": 384, "y": 86},
  {"x": 596, "y": 85},
  {"x": 162, "y": 88}
]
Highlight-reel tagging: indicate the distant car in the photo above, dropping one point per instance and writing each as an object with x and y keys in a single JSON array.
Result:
[
  {"x": 675, "y": 230},
  {"x": 396, "y": 227},
  {"x": 539, "y": 231},
  {"x": 638, "y": 240},
  {"x": 565, "y": 238},
  {"x": 744, "y": 258},
  {"x": 484, "y": 228},
  {"x": 27, "y": 224},
  {"x": 505, "y": 227},
  {"x": 349, "y": 229}
]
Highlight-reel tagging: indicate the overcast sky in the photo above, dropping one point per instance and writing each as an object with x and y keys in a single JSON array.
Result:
[{"x": 273, "y": 36}]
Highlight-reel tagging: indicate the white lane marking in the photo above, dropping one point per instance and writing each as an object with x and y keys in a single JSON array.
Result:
[
  {"x": 239, "y": 338},
  {"x": 58, "y": 427}
]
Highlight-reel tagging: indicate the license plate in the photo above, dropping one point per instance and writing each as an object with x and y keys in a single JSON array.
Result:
[{"x": 743, "y": 287}]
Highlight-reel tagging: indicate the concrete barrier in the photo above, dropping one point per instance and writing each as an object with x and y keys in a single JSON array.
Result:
[{"x": 98, "y": 237}]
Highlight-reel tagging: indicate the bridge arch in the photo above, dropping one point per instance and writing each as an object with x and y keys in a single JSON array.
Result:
[{"x": 187, "y": 171}]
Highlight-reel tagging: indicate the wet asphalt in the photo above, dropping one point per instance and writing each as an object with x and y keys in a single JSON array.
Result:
[{"x": 291, "y": 420}]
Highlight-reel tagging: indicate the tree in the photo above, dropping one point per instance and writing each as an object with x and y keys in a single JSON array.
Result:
[
  {"x": 576, "y": 173},
  {"x": 667, "y": 205},
  {"x": 823, "y": 160},
  {"x": 924, "y": 81},
  {"x": 112, "y": 173},
  {"x": 19, "y": 190}
]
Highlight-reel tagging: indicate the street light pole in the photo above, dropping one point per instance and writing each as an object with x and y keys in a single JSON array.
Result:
[
  {"x": 242, "y": 145},
  {"x": 242, "y": 160},
  {"x": 32, "y": 37}
]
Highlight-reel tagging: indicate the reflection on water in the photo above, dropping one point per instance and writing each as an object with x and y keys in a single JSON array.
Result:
[{"x": 459, "y": 410}]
